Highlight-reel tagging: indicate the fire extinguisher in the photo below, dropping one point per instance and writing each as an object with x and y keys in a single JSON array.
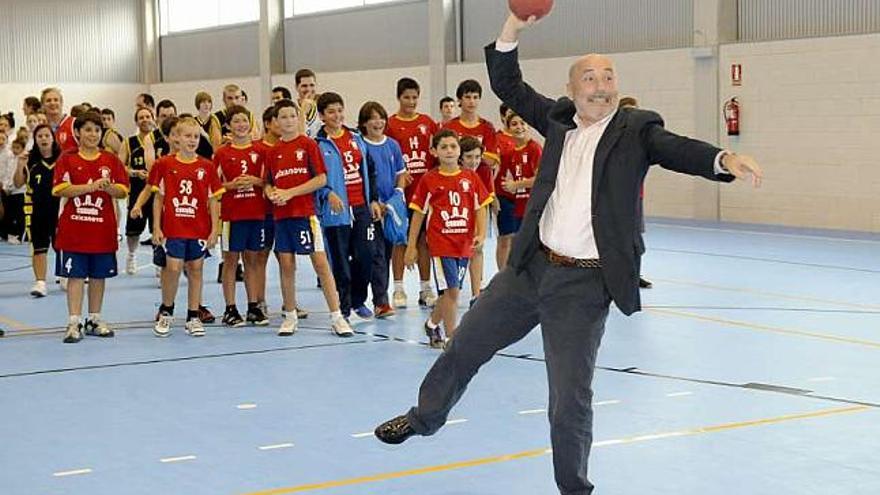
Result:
[{"x": 731, "y": 116}]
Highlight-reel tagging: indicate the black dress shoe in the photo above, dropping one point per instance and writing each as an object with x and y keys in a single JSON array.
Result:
[
  {"x": 395, "y": 431},
  {"x": 645, "y": 284}
]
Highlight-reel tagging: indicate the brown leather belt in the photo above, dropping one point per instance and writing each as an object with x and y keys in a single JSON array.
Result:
[{"x": 561, "y": 260}]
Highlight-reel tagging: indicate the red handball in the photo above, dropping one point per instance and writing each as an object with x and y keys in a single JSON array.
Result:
[{"x": 527, "y": 8}]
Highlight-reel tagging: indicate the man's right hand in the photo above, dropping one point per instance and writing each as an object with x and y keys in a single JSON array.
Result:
[
  {"x": 135, "y": 212},
  {"x": 158, "y": 237},
  {"x": 512, "y": 27}
]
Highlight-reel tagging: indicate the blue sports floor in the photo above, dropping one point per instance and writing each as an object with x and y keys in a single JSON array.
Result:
[{"x": 754, "y": 369}]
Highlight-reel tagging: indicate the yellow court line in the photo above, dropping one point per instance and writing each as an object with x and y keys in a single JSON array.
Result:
[
  {"x": 768, "y": 328},
  {"x": 777, "y": 295},
  {"x": 542, "y": 452},
  {"x": 15, "y": 324}
]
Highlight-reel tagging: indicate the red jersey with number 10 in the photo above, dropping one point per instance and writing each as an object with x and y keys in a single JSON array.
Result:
[
  {"x": 290, "y": 164},
  {"x": 187, "y": 187},
  {"x": 241, "y": 204},
  {"x": 87, "y": 223},
  {"x": 414, "y": 136},
  {"x": 450, "y": 203},
  {"x": 351, "y": 164}
]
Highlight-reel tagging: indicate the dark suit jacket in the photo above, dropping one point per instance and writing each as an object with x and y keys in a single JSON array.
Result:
[{"x": 633, "y": 140}]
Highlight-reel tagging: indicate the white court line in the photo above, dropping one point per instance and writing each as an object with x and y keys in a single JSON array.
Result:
[
  {"x": 679, "y": 394},
  {"x": 276, "y": 446},
  {"x": 768, "y": 234},
  {"x": 455, "y": 422},
  {"x": 822, "y": 379},
  {"x": 533, "y": 411},
  {"x": 606, "y": 403},
  {"x": 246, "y": 406},
  {"x": 72, "y": 473},
  {"x": 178, "y": 459},
  {"x": 362, "y": 435}
]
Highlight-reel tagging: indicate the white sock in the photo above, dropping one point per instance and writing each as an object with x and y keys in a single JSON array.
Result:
[
  {"x": 95, "y": 317},
  {"x": 335, "y": 315},
  {"x": 73, "y": 319},
  {"x": 431, "y": 324},
  {"x": 289, "y": 315},
  {"x": 398, "y": 286},
  {"x": 426, "y": 286}
]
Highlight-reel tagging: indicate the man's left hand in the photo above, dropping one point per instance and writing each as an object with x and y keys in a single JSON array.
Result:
[{"x": 742, "y": 167}]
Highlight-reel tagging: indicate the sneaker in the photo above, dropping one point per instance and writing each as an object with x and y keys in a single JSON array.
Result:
[
  {"x": 341, "y": 327},
  {"x": 363, "y": 313},
  {"x": 435, "y": 335},
  {"x": 263, "y": 307},
  {"x": 384, "y": 311},
  {"x": 288, "y": 325},
  {"x": 14, "y": 240},
  {"x": 399, "y": 299},
  {"x": 427, "y": 299},
  {"x": 194, "y": 328},
  {"x": 98, "y": 329},
  {"x": 302, "y": 314},
  {"x": 205, "y": 315},
  {"x": 257, "y": 317},
  {"x": 232, "y": 318},
  {"x": 645, "y": 284},
  {"x": 130, "y": 264},
  {"x": 39, "y": 289},
  {"x": 163, "y": 325},
  {"x": 73, "y": 334},
  {"x": 2, "y": 333},
  {"x": 395, "y": 431}
]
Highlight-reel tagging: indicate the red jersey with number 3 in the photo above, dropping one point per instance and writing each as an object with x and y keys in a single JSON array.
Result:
[
  {"x": 290, "y": 164},
  {"x": 483, "y": 130},
  {"x": 187, "y": 187},
  {"x": 65, "y": 137},
  {"x": 414, "y": 136},
  {"x": 351, "y": 163},
  {"x": 450, "y": 203},
  {"x": 87, "y": 223},
  {"x": 241, "y": 204}
]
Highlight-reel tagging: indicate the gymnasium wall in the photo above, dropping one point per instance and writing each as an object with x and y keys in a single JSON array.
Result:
[{"x": 228, "y": 51}]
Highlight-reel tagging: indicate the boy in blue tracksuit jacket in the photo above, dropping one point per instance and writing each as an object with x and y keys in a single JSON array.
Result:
[
  {"x": 347, "y": 206},
  {"x": 387, "y": 172}
]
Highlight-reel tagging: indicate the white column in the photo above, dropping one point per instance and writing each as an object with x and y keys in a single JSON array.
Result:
[
  {"x": 271, "y": 46},
  {"x": 441, "y": 35},
  {"x": 150, "y": 68}
]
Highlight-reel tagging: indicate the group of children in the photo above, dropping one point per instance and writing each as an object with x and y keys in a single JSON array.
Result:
[{"x": 325, "y": 190}]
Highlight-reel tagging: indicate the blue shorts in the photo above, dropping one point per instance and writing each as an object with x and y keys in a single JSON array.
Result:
[
  {"x": 244, "y": 235},
  {"x": 449, "y": 273},
  {"x": 269, "y": 230},
  {"x": 298, "y": 236},
  {"x": 86, "y": 265},
  {"x": 186, "y": 249},
  {"x": 508, "y": 224}
]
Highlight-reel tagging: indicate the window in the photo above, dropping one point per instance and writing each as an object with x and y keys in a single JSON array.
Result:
[
  {"x": 299, "y": 7},
  {"x": 187, "y": 15}
]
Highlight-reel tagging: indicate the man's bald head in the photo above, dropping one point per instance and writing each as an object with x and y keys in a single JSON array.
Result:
[{"x": 592, "y": 85}]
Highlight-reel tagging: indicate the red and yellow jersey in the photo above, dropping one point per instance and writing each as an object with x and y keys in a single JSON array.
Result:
[
  {"x": 87, "y": 223},
  {"x": 483, "y": 130},
  {"x": 450, "y": 202},
  {"x": 290, "y": 164},
  {"x": 64, "y": 135},
  {"x": 232, "y": 161},
  {"x": 352, "y": 157},
  {"x": 519, "y": 163},
  {"x": 414, "y": 136},
  {"x": 187, "y": 187}
]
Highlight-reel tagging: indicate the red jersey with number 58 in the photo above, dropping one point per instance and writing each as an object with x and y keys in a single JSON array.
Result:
[
  {"x": 414, "y": 136},
  {"x": 187, "y": 187},
  {"x": 450, "y": 203},
  {"x": 241, "y": 204},
  {"x": 87, "y": 223}
]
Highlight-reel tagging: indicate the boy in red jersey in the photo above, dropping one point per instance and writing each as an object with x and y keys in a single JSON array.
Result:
[
  {"x": 469, "y": 123},
  {"x": 89, "y": 182},
  {"x": 186, "y": 220},
  {"x": 243, "y": 211},
  {"x": 503, "y": 137},
  {"x": 413, "y": 131},
  {"x": 472, "y": 159},
  {"x": 513, "y": 183},
  {"x": 295, "y": 172},
  {"x": 454, "y": 202}
]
